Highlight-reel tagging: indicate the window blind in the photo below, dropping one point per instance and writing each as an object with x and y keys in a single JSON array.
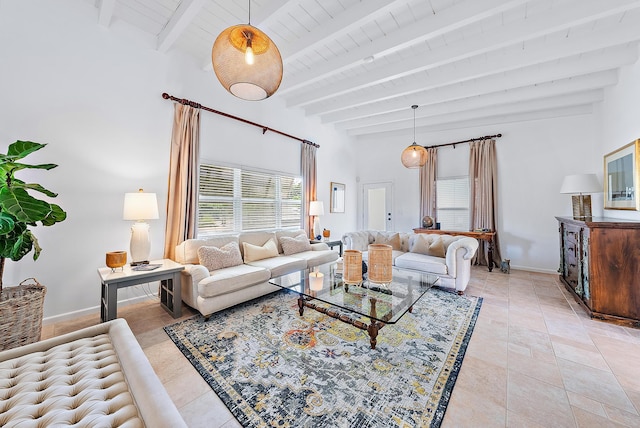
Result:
[
  {"x": 452, "y": 200},
  {"x": 238, "y": 199}
]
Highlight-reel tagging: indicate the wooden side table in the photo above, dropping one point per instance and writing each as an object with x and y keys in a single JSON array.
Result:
[
  {"x": 331, "y": 244},
  {"x": 168, "y": 274}
]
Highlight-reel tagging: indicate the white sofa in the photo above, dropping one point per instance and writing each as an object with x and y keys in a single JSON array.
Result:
[
  {"x": 98, "y": 376},
  {"x": 454, "y": 269},
  {"x": 211, "y": 291}
]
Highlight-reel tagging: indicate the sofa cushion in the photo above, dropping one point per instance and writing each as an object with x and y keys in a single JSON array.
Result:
[
  {"x": 360, "y": 240},
  {"x": 422, "y": 262},
  {"x": 297, "y": 244},
  {"x": 256, "y": 252},
  {"x": 281, "y": 265},
  {"x": 214, "y": 258},
  {"x": 227, "y": 280},
  {"x": 431, "y": 245},
  {"x": 187, "y": 251},
  {"x": 317, "y": 257},
  {"x": 388, "y": 239},
  {"x": 288, "y": 233}
]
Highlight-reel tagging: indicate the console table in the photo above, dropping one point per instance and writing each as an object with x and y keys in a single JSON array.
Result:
[
  {"x": 168, "y": 274},
  {"x": 488, "y": 237}
]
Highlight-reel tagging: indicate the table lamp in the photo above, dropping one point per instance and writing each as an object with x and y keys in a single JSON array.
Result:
[
  {"x": 140, "y": 206},
  {"x": 579, "y": 184},
  {"x": 316, "y": 208}
]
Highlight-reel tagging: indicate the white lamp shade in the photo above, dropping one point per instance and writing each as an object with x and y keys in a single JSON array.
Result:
[
  {"x": 140, "y": 206},
  {"x": 581, "y": 183},
  {"x": 316, "y": 208}
]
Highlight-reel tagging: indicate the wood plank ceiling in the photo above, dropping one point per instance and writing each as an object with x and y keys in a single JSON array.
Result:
[{"x": 361, "y": 64}]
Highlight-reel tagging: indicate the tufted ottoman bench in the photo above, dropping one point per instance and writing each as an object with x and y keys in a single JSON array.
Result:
[{"x": 94, "y": 377}]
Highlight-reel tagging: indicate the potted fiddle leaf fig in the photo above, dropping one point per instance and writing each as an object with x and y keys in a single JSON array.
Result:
[{"x": 20, "y": 211}]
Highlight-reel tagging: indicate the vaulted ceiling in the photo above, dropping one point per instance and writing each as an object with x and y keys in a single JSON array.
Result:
[{"x": 360, "y": 65}]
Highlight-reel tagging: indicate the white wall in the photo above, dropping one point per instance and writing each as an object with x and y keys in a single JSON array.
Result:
[
  {"x": 620, "y": 124},
  {"x": 94, "y": 95},
  {"x": 533, "y": 158}
]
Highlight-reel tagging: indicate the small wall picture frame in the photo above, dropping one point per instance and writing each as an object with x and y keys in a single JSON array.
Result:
[
  {"x": 621, "y": 176},
  {"x": 337, "y": 198}
]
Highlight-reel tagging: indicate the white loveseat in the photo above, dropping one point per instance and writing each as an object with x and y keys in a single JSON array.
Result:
[
  {"x": 447, "y": 256},
  {"x": 210, "y": 291}
]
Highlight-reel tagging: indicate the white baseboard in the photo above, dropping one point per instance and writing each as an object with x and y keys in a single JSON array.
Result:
[
  {"x": 96, "y": 309},
  {"x": 530, "y": 269}
]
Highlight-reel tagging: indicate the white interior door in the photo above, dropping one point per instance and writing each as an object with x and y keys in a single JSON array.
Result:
[{"x": 377, "y": 206}]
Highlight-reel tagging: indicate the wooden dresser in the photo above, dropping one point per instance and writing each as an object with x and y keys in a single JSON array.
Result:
[{"x": 600, "y": 265}]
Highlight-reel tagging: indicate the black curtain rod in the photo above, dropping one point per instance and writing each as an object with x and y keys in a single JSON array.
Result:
[
  {"x": 221, "y": 113},
  {"x": 486, "y": 137}
]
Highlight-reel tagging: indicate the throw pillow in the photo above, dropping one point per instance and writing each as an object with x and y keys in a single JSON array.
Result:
[
  {"x": 253, "y": 253},
  {"x": 295, "y": 245},
  {"x": 429, "y": 245},
  {"x": 393, "y": 240},
  {"x": 214, "y": 258},
  {"x": 436, "y": 249}
]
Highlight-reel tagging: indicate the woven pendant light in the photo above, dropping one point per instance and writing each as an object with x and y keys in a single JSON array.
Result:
[
  {"x": 414, "y": 156},
  {"x": 247, "y": 63}
]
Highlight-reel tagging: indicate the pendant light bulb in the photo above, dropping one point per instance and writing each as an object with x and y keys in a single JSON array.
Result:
[
  {"x": 414, "y": 156},
  {"x": 248, "y": 54}
]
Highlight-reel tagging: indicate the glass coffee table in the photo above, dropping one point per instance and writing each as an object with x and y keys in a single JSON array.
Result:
[{"x": 380, "y": 304}]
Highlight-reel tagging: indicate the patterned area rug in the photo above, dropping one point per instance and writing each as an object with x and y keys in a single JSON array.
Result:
[{"x": 273, "y": 368}]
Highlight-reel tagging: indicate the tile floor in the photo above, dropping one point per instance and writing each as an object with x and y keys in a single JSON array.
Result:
[{"x": 535, "y": 360}]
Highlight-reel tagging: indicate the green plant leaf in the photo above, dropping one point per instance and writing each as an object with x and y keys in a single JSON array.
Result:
[
  {"x": 22, "y": 245},
  {"x": 20, "y": 149},
  {"x": 17, "y": 166},
  {"x": 56, "y": 215},
  {"x": 33, "y": 186},
  {"x": 7, "y": 223},
  {"x": 23, "y": 206}
]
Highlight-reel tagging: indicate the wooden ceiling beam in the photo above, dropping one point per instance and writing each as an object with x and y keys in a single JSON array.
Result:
[
  {"x": 180, "y": 20},
  {"x": 526, "y": 93},
  {"x": 585, "y": 64},
  {"x": 450, "y": 19},
  {"x": 510, "y": 35}
]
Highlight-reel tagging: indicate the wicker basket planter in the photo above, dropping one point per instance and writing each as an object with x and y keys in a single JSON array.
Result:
[{"x": 21, "y": 311}]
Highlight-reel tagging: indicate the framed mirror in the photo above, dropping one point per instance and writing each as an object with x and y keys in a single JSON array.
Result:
[
  {"x": 337, "y": 198},
  {"x": 621, "y": 174}
]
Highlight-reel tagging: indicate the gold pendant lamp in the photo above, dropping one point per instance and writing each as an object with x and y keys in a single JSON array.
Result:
[
  {"x": 414, "y": 156},
  {"x": 247, "y": 62}
]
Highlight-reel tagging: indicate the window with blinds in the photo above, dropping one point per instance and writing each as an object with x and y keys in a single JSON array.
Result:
[
  {"x": 234, "y": 200},
  {"x": 452, "y": 200}
]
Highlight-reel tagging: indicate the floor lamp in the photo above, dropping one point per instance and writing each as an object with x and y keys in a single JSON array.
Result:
[{"x": 140, "y": 206}]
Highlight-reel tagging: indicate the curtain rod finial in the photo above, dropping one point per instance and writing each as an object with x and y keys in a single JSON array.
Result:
[{"x": 165, "y": 95}]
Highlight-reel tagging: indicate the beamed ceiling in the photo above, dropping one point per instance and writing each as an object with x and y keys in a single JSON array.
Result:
[{"x": 360, "y": 65}]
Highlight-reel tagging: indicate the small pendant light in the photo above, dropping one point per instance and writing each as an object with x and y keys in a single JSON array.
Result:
[
  {"x": 414, "y": 156},
  {"x": 247, "y": 63}
]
